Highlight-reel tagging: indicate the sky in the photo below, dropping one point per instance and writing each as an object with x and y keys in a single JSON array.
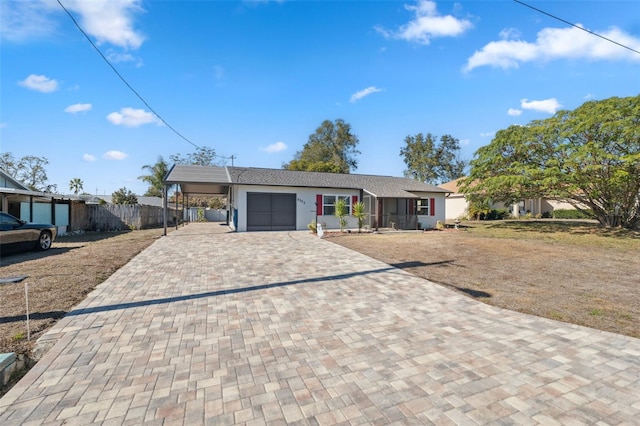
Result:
[{"x": 253, "y": 79}]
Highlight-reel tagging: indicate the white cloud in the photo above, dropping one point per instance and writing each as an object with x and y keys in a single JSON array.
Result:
[
  {"x": 465, "y": 142},
  {"x": 130, "y": 117},
  {"x": 39, "y": 83},
  {"x": 487, "y": 134},
  {"x": 548, "y": 105},
  {"x": 109, "y": 21},
  {"x": 25, "y": 20},
  {"x": 88, "y": 158},
  {"x": 275, "y": 147},
  {"x": 427, "y": 24},
  {"x": 119, "y": 57},
  {"x": 514, "y": 112},
  {"x": 552, "y": 44},
  {"x": 77, "y": 108},
  {"x": 114, "y": 155},
  {"x": 364, "y": 92}
]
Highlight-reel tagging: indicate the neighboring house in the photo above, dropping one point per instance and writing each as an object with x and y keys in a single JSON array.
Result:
[
  {"x": 457, "y": 207},
  {"x": 278, "y": 199},
  {"x": 33, "y": 206}
]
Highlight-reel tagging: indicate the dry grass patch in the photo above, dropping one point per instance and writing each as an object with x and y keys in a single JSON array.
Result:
[
  {"x": 571, "y": 271},
  {"x": 59, "y": 279}
]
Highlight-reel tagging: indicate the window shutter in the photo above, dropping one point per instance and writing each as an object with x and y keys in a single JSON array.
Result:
[
  {"x": 432, "y": 207},
  {"x": 354, "y": 199},
  {"x": 319, "y": 204}
]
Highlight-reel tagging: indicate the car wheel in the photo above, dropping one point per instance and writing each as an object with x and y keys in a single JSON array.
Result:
[{"x": 44, "y": 242}]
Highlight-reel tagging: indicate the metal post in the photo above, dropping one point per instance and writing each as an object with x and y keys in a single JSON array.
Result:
[
  {"x": 26, "y": 298},
  {"x": 176, "y": 211},
  {"x": 164, "y": 208}
]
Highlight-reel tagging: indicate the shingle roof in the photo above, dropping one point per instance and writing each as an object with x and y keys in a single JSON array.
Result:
[
  {"x": 197, "y": 174},
  {"x": 380, "y": 186}
]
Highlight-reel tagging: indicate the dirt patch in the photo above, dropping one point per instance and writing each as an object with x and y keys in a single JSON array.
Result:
[
  {"x": 59, "y": 279},
  {"x": 572, "y": 272}
]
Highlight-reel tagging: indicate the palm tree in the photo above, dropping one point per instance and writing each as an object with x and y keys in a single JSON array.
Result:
[
  {"x": 155, "y": 179},
  {"x": 76, "y": 185}
]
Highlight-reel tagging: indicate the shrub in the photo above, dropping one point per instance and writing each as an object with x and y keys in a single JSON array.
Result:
[
  {"x": 341, "y": 213},
  {"x": 360, "y": 214},
  {"x": 571, "y": 214},
  {"x": 313, "y": 227},
  {"x": 496, "y": 214}
]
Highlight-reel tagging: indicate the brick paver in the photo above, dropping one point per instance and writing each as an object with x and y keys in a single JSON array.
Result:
[{"x": 206, "y": 327}]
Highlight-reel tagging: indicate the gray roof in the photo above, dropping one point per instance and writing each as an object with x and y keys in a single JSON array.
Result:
[{"x": 380, "y": 186}]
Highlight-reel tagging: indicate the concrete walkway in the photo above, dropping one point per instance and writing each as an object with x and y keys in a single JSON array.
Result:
[{"x": 205, "y": 327}]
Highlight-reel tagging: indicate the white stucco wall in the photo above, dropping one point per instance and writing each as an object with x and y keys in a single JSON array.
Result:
[
  {"x": 456, "y": 206},
  {"x": 427, "y": 222},
  {"x": 305, "y": 204}
]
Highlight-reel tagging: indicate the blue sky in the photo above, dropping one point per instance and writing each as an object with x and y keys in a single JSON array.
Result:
[{"x": 254, "y": 79}]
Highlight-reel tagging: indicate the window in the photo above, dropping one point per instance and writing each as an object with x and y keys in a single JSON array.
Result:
[
  {"x": 425, "y": 206},
  {"x": 329, "y": 203}
]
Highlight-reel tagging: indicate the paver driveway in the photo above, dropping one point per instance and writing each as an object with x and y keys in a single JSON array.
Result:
[{"x": 206, "y": 327}]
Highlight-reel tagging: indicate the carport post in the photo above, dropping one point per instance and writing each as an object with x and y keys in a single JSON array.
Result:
[
  {"x": 164, "y": 208},
  {"x": 176, "y": 212}
]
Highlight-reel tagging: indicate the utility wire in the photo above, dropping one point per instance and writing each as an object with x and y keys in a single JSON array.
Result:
[
  {"x": 124, "y": 80},
  {"x": 577, "y": 26}
]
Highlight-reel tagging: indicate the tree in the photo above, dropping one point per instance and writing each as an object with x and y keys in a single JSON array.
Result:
[
  {"x": 155, "y": 178},
  {"x": 204, "y": 156},
  {"x": 30, "y": 170},
  {"x": 430, "y": 162},
  {"x": 332, "y": 149},
  {"x": 76, "y": 185},
  {"x": 124, "y": 196},
  {"x": 589, "y": 157},
  {"x": 9, "y": 164}
]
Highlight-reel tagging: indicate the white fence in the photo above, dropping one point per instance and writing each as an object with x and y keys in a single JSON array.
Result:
[{"x": 210, "y": 215}]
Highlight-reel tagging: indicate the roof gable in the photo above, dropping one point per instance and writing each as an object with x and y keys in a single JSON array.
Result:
[{"x": 6, "y": 181}]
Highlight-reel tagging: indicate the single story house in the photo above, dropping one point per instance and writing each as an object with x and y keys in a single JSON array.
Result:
[
  {"x": 34, "y": 206},
  {"x": 261, "y": 199},
  {"x": 457, "y": 206}
]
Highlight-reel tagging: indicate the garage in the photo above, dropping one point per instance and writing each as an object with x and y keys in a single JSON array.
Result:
[{"x": 271, "y": 211}]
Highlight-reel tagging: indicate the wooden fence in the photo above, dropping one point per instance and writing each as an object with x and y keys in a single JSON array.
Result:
[{"x": 114, "y": 217}]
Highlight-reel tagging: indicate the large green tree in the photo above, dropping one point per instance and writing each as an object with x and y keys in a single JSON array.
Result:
[
  {"x": 589, "y": 157},
  {"x": 331, "y": 148},
  {"x": 155, "y": 178},
  {"x": 431, "y": 161}
]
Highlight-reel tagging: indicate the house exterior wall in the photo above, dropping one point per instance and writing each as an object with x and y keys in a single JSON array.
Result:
[
  {"x": 430, "y": 221},
  {"x": 305, "y": 205},
  {"x": 456, "y": 207}
]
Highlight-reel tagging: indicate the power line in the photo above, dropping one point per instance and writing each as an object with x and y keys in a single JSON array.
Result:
[
  {"x": 124, "y": 80},
  {"x": 577, "y": 26}
]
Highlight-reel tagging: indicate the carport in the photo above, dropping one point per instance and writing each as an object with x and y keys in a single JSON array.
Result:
[{"x": 196, "y": 181}]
